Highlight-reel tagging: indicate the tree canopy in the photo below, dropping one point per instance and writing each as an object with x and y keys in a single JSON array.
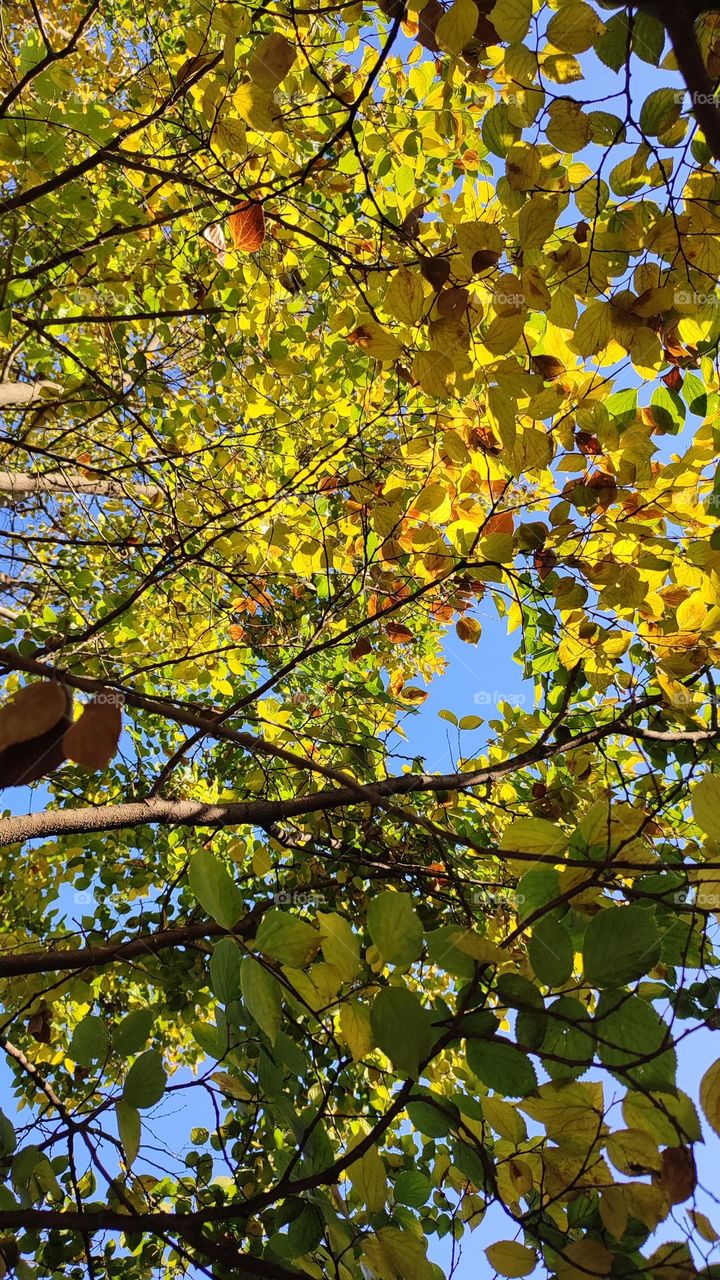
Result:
[{"x": 322, "y": 323}]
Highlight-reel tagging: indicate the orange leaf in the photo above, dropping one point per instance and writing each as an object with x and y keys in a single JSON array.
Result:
[
  {"x": 399, "y": 634},
  {"x": 247, "y": 227},
  {"x": 92, "y": 740},
  {"x": 468, "y": 629}
]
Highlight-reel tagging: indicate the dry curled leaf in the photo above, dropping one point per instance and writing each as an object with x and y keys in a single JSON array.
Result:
[
  {"x": 215, "y": 237},
  {"x": 93, "y": 739},
  {"x": 247, "y": 227}
]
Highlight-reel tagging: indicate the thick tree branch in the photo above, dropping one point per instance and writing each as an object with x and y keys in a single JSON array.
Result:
[
  {"x": 100, "y": 955},
  {"x": 678, "y": 18},
  {"x": 18, "y": 484}
]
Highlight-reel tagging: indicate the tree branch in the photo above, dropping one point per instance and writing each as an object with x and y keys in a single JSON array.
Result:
[{"x": 679, "y": 22}]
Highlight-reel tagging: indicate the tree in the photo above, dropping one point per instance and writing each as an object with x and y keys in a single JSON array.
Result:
[{"x": 321, "y": 323}]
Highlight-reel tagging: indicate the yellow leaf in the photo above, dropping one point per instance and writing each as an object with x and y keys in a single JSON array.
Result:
[
  {"x": 646, "y": 352},
  {"x": 340, "y": 946},
  {"x": 355, "y": 1029},
  {"x": 575, "y": 28},
  {"x": 703, "y": 1226},
  {"x": 510, "y": 1258},
  {"x": 584, "y": 1258},
  {"x": 433, "y": 370},
  {"x": 261, "y": 861},
  {"x": 593, "y": 330},
  {"x": 536, "y": 221},
  {"x": 614, "y": 1211},
  {"x": 691, "y": 613},
  {"x": 369, "y": 1180},
  {"x": 504, "y": 333},
  {"x": 456, "y": 28},
  {"x": 229, "y": 134},
  {"x": 511, "y": 19},
  {"x": 568, "y": 128},
  {"x": 270, "y": 61},
  {"x": 405, "y": 298},
  {"x": 710, "y": 1083},
  {"x": 392, "y": 1253},
  {"x": 378, "y": 343},
  {"x": 533, "y": 835},
  {"x": 255, "y": 106},
  {"x": 633, "y": 1150},
  {"x": 706, "y": 811}
]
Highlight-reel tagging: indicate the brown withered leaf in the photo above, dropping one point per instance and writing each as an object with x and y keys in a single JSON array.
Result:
[
  {"x": 549, "y": 367},
  {"x": 588, "y": 443},
  {"x": 246, "y": 225},
  {"x": 484, "y": 259},
  {"x": 31, "y": 711},
  {"x": 39, "y": 1026},
  {"x": 678, "y": 1175},
  {"x": 93, "y": 739},
  {"x": 428, "y": 18},
  {"x": 23, "y": 762},
  {"x": 468, "y": 629},
  {"x": 398, "y": 633},
  {"x": 453, "y": 303},
  {"x": 435, "y": 271},
  {"x": 544, "y": 562},
  {"x": 361, "y": 648}
]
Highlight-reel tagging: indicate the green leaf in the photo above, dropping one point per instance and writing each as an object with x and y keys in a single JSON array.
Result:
[
  {"x": 131, "y": 1035},
  {"x": 261, "y": 996},
  {"x": 129, "y": 1128},
  {"x": 145, "y": 1081},
  {"x": 648, "y": 37},
  {"x": 7, "y": 1136},
  {"x": 434, "y": 1121},
  {"x": 285, "y": 938},
  {"x": 402, "y": 1028},
  {"x": 412, "y": 1188},
  {"x": 620, "y": 944},
  {"x": 214, "y": 889},
  {"x": 635, "y": 1042},
  {"x": 569, "y": 1044},
  {"x": 501, "y": 1066},
  {"x": 551, "y": 952},
  {"x": 89, "y": 1041},
  {"x": 660, "y": 109},
  {"x": 395, "y": 927},
  {"x": 225, "y": 964}
]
